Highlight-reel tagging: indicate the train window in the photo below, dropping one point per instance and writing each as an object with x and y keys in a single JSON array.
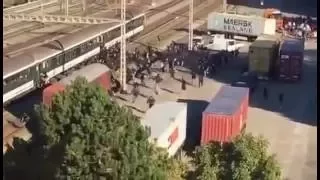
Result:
[
  {"x": 59, "y": 59},
  {"x": 19, "y": 78},
  {"x": 44, "y": 64},
  {"x": 77, "y": 51},
  {"x": 5, "y": 82},
  {"x": 83, "y": 48},
  {"x": 100, "y": 39}
]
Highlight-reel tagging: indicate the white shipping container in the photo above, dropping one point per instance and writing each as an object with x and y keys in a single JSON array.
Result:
[
  {"x": 168, "y": 123},
  {"x": 241, "y": 24},
  {"x": 270, "y": 27}
]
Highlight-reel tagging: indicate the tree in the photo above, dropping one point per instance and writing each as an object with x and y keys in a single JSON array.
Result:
[
  {"x": 87, "y": 136},
  {"x": 243, "y": 159}
]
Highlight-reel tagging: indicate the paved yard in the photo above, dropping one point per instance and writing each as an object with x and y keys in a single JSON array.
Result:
[{"x": 291, "y": 130}]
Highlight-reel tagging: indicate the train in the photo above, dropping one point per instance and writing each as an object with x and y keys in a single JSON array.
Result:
[{"x": 25, "y": 72}]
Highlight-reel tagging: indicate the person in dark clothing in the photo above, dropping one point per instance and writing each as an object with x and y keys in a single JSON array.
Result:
[
  {"x": 162, "y": 66},
  {"x": 24, "y": 118},
  {"x": 157, "y": 80},
  {"x": 135, "y": 93},
  {"x": 183, "y": 84},
  {"x": 142, "y": 80},
  {"x": 281, "y": 99},
  {"x": 171, "y": 72},
  {"x": 150, "y": 101},
  {"x": 265, "y": 93},
  {"x": 193, "y": 76},
  {"x": 200, "y": 80}
]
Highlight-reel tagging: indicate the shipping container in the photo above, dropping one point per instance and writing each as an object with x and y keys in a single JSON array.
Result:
[
  {"x": 94, "y": 73},
  {"x": 262, "y": 57},
  {"x": 291, "y": 59},
  {"x": 226, "y": 115},
  {"x": 240, "y": 25},
  {"x": 167, "y": 122}
]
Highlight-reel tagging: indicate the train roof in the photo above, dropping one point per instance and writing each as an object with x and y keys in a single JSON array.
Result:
[
  {"x": 37, "y": 54},
  {"x": 90, "y": 72}
]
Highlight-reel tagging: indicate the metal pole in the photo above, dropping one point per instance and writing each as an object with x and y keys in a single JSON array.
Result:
[
  {"x": 67, "y": 7},
  {"x": 224, "y": 5},
  {"x": 42, "y": 7},
  {"x": 190, "y": 44},
  {"x": 123, "y": 63}
]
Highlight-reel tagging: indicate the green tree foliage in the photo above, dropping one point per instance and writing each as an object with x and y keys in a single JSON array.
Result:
[
  {"x": 246, "y": 158},
  {"x": 87, "y": 136}
]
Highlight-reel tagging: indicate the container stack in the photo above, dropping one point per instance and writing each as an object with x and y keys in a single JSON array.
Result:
[{"x": 225, "y": 117}]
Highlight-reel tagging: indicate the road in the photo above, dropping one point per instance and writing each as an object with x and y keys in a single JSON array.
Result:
[{"x": 292, "y": 130}]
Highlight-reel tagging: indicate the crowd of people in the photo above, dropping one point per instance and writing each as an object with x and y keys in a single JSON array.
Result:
[
  {"x": 302, "y": 27},
  {"x": 141, "y": 66}
]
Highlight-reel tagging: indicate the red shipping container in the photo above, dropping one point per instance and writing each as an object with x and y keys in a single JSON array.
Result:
[
  {"x": 94, "y": 73},
  {"x": 226, "y": 115}
]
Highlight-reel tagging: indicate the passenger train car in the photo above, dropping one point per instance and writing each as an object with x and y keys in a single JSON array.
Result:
[{"x": 22, "y": 73}]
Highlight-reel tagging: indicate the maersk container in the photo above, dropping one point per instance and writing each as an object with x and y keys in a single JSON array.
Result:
[
  {"x": 263, "y": 56},
  {"x": 94, "y": 73},
  {"x": 226, "y": 115},
  {"x": 291, "y": 59},
  {"x": 242, "y": 25},
  {"x": 167, "y": 123}
]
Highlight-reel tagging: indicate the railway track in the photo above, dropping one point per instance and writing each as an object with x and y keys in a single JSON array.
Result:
[
  {"x": 170, "y": 22},
  {"x": 26, "y": 6},
  {"x": 95, "y": 9}
]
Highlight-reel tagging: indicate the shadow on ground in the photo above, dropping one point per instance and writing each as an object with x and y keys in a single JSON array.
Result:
[{"x": 194, "y": 116}]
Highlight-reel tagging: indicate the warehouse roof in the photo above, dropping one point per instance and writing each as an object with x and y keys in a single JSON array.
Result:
[
  {"x": 227, "y": 100},
  {"x": 160, "y": 116}
]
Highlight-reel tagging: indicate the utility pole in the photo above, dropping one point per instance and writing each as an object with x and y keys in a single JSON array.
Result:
[
  {"x": 190, "y": 44},
  {"x": 225, "y": 6},
  {"x": 67, "y": 7},
  {"x": 42, "y": 7},
  {"x": 123, "y": 61}
]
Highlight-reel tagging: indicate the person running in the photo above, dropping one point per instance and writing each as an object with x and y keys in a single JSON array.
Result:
[
  {"x": 200, "y": 80},
  {"x": 162, "y": 66},
  {"x": 135, "y": 93},
  {"x": 183, "y": 84},
  {"x": 280, "y": 100},
  {"x": 265, "y": 93},
  {"x": 150, "y": 101},
  {"x": 193, "y": 76},
  {"x": 156, "y": 85}
]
